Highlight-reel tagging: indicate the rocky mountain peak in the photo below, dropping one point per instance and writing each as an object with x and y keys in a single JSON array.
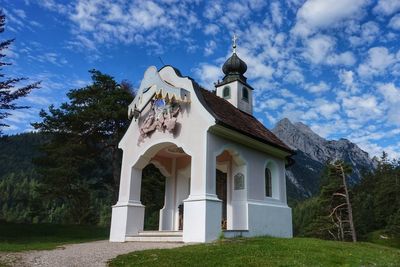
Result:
[{"x": 314, "y": 151}]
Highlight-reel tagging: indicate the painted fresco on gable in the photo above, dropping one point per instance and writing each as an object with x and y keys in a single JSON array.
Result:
[
  {"x": 164, "y": 101},
  {"x": 161, "y": 117}
]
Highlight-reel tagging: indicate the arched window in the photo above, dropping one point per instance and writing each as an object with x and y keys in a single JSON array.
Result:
[
  {"x": 245, "y": 94},
  {"x": 268, "y": 183},
  {"x": 226, "y": 93}
]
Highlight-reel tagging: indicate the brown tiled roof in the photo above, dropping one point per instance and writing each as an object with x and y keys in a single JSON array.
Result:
[
  {"x": 227, "y": 115},
  {"x": 231, "y": 117}
]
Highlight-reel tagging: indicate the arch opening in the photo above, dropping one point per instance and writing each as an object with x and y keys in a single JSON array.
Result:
[
  {"x": 231, "y": 189},
  {"x": 271, "y": 180},
  {"x": 165, "y": 184}
]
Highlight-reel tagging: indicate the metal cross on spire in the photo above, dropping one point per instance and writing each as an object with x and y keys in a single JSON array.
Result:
[{"x": 234, "y": 42}]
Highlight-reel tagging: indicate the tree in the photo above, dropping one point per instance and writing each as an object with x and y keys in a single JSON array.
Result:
[
  {"x": 82, "y": 160},
  {"x": 331, "y": 216},
  {"x": 377, "y": 199},
  {"x": 8, "y": 93},
  {"x": 341, "y": 213}
]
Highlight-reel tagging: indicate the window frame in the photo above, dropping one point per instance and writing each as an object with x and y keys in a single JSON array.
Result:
[
  {"x": 228, "y": 88},
  {"x": 244, "y": 89},
  {"x": 269, "y": 193}
]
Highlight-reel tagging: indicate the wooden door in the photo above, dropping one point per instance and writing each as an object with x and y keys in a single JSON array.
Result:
[{"x": 221, "y": 183}]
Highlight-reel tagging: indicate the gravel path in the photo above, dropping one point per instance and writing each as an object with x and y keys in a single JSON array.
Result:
[{"x": 84, "y": 254}]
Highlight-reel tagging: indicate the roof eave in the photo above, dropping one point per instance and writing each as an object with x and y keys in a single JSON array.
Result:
[{"x": 254, "y": 142}]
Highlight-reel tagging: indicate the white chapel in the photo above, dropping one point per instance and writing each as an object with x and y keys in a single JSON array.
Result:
[{"x": 225, "y": 172}]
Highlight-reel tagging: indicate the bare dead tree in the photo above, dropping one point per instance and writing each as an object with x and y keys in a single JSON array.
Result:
[{"x": 341, "y": 213}]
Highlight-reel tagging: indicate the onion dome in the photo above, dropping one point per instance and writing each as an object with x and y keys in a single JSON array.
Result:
[{"x": 234, "y": 65}]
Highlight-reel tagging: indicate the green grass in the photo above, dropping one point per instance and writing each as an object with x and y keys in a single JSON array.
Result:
[
  {"x": 266, "y": 251},
  {"x": 376, "y": 238},
  {"x": 20, "y": 237}
]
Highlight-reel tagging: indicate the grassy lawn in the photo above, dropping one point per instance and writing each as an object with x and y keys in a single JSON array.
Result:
[
  {"x": 380, "y": 238},
  {"x": 266, "y": 251},
  {"x": 19, "y": 237}
]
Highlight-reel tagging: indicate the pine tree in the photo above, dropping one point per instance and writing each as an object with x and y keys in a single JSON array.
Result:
[
  {"x": 333, "y": 217},
  {"x": 8, "y": 93},
  {"x": 82, "y": 160}
]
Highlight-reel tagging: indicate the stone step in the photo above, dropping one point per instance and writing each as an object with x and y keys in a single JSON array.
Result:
[
  {"x": 160, "y": 233},
  {"x": 156, "y": 236},
  {"x": 138, "y": 238}
]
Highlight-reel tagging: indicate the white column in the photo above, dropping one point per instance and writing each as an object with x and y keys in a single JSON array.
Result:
[
  {"x": 168, "y": 211},
  {"x": 128, "y": 214},
  {"x": 202, "y": 209}
]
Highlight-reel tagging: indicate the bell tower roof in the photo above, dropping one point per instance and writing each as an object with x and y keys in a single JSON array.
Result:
[{"x": 234, "y": 67}]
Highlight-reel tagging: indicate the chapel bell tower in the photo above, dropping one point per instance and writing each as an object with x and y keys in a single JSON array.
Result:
[{"x": 233, "y": 86}]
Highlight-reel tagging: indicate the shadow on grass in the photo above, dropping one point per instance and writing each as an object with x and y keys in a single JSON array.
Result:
[{"x": 20, "y": 237}]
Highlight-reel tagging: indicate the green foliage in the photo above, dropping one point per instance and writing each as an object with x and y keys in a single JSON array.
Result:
[
  {"x": 20, "y": 237},
  {"x": 75, "y": 172},
  {"x": 8, "y": 91},
  {"x": 381, "y": 237},
  {"x": 152, "y": 196},
  {"x": 304, "y": 214},
  {"x": 19, "y": 200},
  {"x": 377, "y": 199},
  {"x": 266, "y": 251},
  {"x": 81, "y": 163}
]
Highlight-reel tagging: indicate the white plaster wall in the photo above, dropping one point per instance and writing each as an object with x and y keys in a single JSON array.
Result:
[
  {"x": 259, "y": 214},
  {"x": 202, "y": 209},
  {"x": 236, "y": 96},
  {"x": 269, "y": 219},
  {"x": 166, "y": 222},
  {"x": 194, "y": 121},
  {"x": 182, "y": 191}
]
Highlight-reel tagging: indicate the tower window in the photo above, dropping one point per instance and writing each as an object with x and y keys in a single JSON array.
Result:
[
  {"x": 226, "y": 93},
  {"x": 245, "y": 94},
  {"x": 268, "y": 183}
]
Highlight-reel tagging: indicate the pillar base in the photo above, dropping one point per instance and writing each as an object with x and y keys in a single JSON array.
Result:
[
  {"x": 202, "y": 218},
  {"x": 126, "y": 219},
  {"x": 166, "y": 222}
]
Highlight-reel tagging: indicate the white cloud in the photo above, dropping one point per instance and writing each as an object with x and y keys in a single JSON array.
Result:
[
  {"x": 276, "y": 13},
  {"x": 387, "y": 7},
  {"x": 295, "y": 77},
  {"x": 368, "y": 33},
  {"x": 50, "y": 57},
  {"x": 376, "y": 150},
  {"x": 395, "y": 22},
  {"x": 210, "y": 47},
  {"x": 20, "y": 13},
  {"x": 133, "y": 22},
  {"x": 320, "y": 14},
  {"x": 211, "y": 29},
  {"x": 362, "y": 108},
  {"x": 391, "y": 96},
  {"x": 346, "y": 58},
  {"x": 379, "y": 58},
  {"x": 208, "y": 75},
  {"x": 328, "y": 109},
  {"x": 274, "y": 103},
  {"x": 347, "y": 79},
  {"x": 318, "y": 47},
  {"x": 317, "y": 88}
]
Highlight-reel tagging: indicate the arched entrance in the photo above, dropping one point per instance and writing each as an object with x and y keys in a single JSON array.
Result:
[
  {"x": 152, "y": 196},
  {"x": 174, "y": 164},
  {"x": 231, "y": 189}
]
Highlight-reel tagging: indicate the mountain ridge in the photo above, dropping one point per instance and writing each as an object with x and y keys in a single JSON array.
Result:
[{"x": 313, "y": 152}]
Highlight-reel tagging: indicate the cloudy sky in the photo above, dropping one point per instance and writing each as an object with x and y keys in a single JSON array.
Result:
[{"x": 332, "y": 64}]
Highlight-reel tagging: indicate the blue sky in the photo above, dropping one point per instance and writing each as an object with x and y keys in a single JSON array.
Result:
[{"x": 332, "y": 64}]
